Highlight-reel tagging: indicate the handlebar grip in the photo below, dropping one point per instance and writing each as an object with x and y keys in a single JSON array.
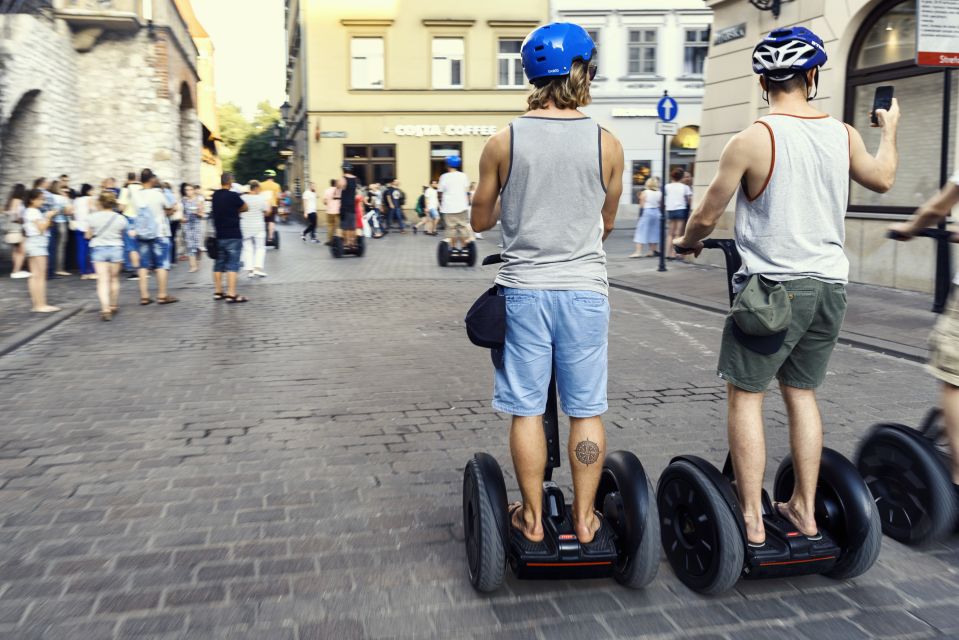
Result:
[
  {"x": 495, "y": 258},
  {"x": 683, "y": 251},
  {"x": 928, "y": 232},
  {"x": 895, "y": 235}
]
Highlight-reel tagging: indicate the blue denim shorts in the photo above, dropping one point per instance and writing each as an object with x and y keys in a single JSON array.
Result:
[
  {"x": 106, "y": 254},
  {"x": 154, "y": 254},
  {"x": 568, "y": 328},
  {"x": 228, "y": 255}
]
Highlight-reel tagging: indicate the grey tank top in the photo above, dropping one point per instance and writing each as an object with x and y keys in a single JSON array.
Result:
[
  {"x": 795, "y": 228},
  {"x": 551, "y": 207}
]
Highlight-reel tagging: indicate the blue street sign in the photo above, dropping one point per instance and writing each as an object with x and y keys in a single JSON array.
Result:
[{"x": 667, "y": 108}]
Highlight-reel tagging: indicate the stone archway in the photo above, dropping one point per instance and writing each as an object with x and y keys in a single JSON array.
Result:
[
  {"x": 21, "y": 148},
  {"x": 189, "y": 142}
]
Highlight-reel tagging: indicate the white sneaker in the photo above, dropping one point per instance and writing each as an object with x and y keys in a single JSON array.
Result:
[
  {"x": 20, "y": 274},
  {"x": 262, "y": 274},
  {"x": 250, "y": 274}
]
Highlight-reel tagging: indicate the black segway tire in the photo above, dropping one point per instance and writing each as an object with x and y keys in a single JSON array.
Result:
[
  {"x": 485, "y": 551},
  {"x": 443, "y": 253},
  {"x": 471, "y": 254},
  {"x": 844, "y": 508},
  {"x": 700, "y": 537},
  {"x": 337, "y": 247},
  {"x": 360, "y": 246},
  {"x": 912, "y": 489},
  {"x": 276, "y": 239}
]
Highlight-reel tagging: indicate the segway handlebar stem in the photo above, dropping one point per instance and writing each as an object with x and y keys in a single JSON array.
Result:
[
  {"x": 929, "y": 232},
  {"x": 495, "y": 258}
]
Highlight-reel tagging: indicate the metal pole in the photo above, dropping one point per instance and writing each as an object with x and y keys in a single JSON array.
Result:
[
  {"x": 662, "y": 212},
  {"x": 943, "y": 255}
]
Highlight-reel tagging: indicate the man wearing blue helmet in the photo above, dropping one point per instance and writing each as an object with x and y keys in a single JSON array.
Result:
[
  {"x": 453, "y": 190},
  {"x": 558, "y": 177},
  {"x": 791, "y": 171}
]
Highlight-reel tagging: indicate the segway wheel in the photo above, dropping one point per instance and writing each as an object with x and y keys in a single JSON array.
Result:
[
  {"x": 276, "y": 239},
  {"x": 911, "y": 488},
  {"x": 628, "y": 503},
  {"x": 844, "y": 508},
  {"x": 443, "y": 253},
  {"x": 337, "y": 247},
  {"x": 471, "y": 254},
  {"x": 700, "y": 537},
  {"x": 360, "y": 246},
  {"x": 485, "y": 552}
]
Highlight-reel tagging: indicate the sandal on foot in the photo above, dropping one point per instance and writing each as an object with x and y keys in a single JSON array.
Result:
[
  {"x": 106, "y": 316},
  {"x": 517, "y": 535},
  {"x": 602, "y": 539},
  {"x": 783, "y": 512},
  {"x": 167, "y": 300},
  {"x": 146, "y": 301},
  {"x": 236, "y": 299},
  {"x": 218, "y": 296}
]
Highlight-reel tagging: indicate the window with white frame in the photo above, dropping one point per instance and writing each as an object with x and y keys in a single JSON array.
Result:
[
  {"x": 642, "y": 52},
  {"x": 694, "y": 51},
  {"x": 447, "y": 63},
  {"x": 510, "y": 64},
  {"x": 366, "y": 63},
  {"x": 594, "y": 34}
]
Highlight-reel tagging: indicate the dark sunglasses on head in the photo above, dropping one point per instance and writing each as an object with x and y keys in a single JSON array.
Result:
[{"x": 592, "y": 71}]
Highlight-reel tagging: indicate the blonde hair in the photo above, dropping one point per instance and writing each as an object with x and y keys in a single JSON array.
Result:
[
  {"x": 653, "y": 184},
  {"x": 564, "y": 92},
  {"x": 107, "y": 200}
]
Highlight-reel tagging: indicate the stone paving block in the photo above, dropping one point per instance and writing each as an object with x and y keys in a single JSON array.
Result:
[
  {"x": 945, "y": 617},
  {"x": 194, "y": 596},
  {"x": 508, "y": 613},
  {"x": 139, "y": 627},
  {"x": 574, "y": 630},
  {"x": 460, "y": 620},
  {"x": 697, "y": 617},
  {"x": 832, "y": 629},
  {"x": 890, "y": 624},
  {"x": 873, "y": 596},
  {"x": 123, "y": 602},
  {"x": 764, "y": 609},
  {"x": 638, "y": 625},
  {"x": 816, "y": 603},
  {"x": 224, "y": 571},
  {"x": 586, "y": 604},
  {"x": 252, "y": 591}
]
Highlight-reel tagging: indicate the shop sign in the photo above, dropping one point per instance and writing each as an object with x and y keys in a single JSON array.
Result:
[
  {"x": 332, "y": 134},
  {"x": 624, "y": 112},
  {"x": 729, "y": 34},
  {"x": 938, "y": 37},
  {"x": 426, "y": 130}
]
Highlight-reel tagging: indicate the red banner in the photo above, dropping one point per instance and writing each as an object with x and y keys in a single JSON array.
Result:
[{"x": 937, "y": 59}]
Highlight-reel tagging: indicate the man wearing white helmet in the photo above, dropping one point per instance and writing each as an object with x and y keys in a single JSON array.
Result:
[{"x": 791, "y": 172}]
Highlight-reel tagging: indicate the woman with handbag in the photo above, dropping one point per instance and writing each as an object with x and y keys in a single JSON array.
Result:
[
  {"x": 81, "y": 212},
  {"x": 14, "y": 231},
  {"x": 105, "y": 232},
  {"x": 36, "y": 228},
  {"x": 192, "y": 205}
]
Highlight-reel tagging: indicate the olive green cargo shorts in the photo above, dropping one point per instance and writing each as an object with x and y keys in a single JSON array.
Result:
[
  {"x": 818, "y": 309},
  {"x": 944, "y": 345}
]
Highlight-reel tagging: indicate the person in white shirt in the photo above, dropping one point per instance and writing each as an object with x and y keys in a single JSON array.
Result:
[
  {"x": 454, "y": 189},
  {"x": 678, "y": 197},
  {"x": 154, "y": 252},
  {"x": 309, "y": 212},
  {"x": 253, "y": 228}
]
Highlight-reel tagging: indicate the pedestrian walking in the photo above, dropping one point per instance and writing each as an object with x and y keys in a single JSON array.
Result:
[
  {"x": 193, "y": 215},
  {"x": 348, "y": 186},
  {"x": 678, "y": 198},
  {"x": 176, "y": 220},
  {"x": 454, "y": 203},
  {"x": 13, "y": 233},
  {"x": 309, "y": 212},
  {"x": 36, "y": 228},
  {"x": 131, "y": 248},
  {"x": 331, "y": 205},
  {"x": 56, "y": 201},
  {"x": 650, "y": 218},
  {"x": 152, "y": 228},
  {"x": 227, "y": 205},
  {"x": 106, "y": 229},
  {"x": 271, "y": 192},
  {"x": 394, "y": 206},
  {"x": 253, "y": 225},
  {"x": 791, "y": 169},
  {"x": 81, "y": 212}
]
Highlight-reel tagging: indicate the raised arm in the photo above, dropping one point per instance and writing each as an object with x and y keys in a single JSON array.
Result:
[
  {"x": 493, "y": 163},
  {"x": 876, "y": 173},
  {"x": 612, "y": 176}
]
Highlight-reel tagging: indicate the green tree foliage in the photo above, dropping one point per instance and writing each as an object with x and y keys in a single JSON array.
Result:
[
  {"x": 256, "y": 153},
  {"x": 234, "y": 130}
]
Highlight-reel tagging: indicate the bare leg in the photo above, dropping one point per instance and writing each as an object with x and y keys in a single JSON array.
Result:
[
  {"x": 653, "y": 247},
  {"x": 670, "y": 234},
  {"x": 104, "y": 280},
  {"x": 218, "y": 283},
  {"x": 193, "y": 263},
  {"x": 19, "y": 257},
  {"x": 950, "y": 416},
  {"x": 805, "y": 441},
  {"x": 162, "y": 276},
  {"x": 144, "y": 288},
  {"x": 114, "y": 285},
  {"x": 231, "y": 283},
  {"x": 747, "y": 446},
  {"x": 528, "y": 448},
  {"x": 638, "y": 252},
  {"x": 586, "y": 448}
]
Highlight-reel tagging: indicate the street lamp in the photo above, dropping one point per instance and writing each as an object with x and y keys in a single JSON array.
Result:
[{"x": 285, "y": 111}]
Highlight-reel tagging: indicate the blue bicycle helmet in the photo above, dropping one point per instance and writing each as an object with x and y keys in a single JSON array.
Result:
[
  {"x": 550, "y": 50},
  {"x": 454, "y": 161},
  {"x": 785, "y": 52}
]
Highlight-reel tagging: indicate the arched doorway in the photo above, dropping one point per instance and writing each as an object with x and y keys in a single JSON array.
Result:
[
  {"x": 21, "y": 150},
  {"x": 683, "y": 146}
]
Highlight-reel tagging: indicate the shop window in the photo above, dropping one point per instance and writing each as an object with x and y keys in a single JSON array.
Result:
[
  {"x": 594, "y": 34},
  {"x": 366, "y": 63},
  {"x": 694, "y": 51},
  {"x": 510, "y": 64},
  {"x": 642, "y": 170},
  {"x": 884, "y": 54},
  {"x": 439, "y": 152},
  {"x": 448, "y": 63},
  {"x": 372, "y": 163},
  {"x": 642, "y": 52}
]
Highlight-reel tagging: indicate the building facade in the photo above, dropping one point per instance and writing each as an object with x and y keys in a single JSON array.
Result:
[
  {"x": 396, "y": 87},
  {"x": 97, "y": 88},
  {"x": 870, "y": 43},
  {"x": 645, "y": 48}
]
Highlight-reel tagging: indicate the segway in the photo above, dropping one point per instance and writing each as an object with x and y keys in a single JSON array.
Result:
[
  {"x": 275, "y": 240},
  {"x": 339, "y": 249},
  {"x": 704, "y": 533},
  {"x": 625, "y": 498},
  {"x": 446, "y": 253},
  {"x": 909, "y": 473}
]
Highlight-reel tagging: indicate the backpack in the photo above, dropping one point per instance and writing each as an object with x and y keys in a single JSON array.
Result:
[{"x": 145, "y": 223}]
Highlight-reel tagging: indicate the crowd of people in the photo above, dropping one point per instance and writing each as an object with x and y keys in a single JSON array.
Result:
[
  {"x": 678, "y": 196},
  {"x": 141, "y": 229}
]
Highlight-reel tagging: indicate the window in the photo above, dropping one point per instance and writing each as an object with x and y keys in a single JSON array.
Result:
[
  {"x": 447, "y": 63},
  {"x": 366, "y": 63},
  {"x": 694, "y": 51},
  {"x": 372, "y": 163},
  {"x": 510, "y": 64},
  {"x": 884, "y": 54},
  {"x": 642, "y": 52},
  {"x": 594, "y": 34},
  {"x": 439, "y": 152}
]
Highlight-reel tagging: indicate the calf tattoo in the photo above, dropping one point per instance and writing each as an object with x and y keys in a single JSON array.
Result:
[{"x": 587, "y": 452}]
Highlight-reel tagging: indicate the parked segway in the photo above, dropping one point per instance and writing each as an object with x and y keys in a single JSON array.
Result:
[
  {"x": 704, "y": 533},
  {"x": 273, "y": 241},
  {"x": 625, "y": 498},
  {"x": 339, "y": 249},
  {"x": 446, "y": 253},
  {"x": 908, "y": 471}
]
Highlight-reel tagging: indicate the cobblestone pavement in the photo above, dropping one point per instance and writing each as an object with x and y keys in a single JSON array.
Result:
[{"x": 291, "y": 469}]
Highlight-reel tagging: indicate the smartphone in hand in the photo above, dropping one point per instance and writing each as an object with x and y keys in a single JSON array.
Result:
[{"x": 882, "y": 100}]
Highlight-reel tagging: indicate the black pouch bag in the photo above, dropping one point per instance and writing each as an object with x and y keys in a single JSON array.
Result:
[
  {"x": 211, "y": 247},
  {"x": 486, "y": 320}
]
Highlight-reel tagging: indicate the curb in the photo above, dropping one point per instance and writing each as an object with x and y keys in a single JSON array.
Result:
[
  {"x": 24, "y": 336},
  {"x": 848, "y": 338}
]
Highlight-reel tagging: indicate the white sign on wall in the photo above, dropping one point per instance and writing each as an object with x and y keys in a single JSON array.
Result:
[
  {"x": 938, "y": 37},
  {"x": 426, "y": 130}
]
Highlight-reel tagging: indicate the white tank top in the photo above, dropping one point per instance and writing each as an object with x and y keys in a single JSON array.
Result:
[
  {"x": 654, "y": 199},
  {"x": 795, "y": 227}
]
